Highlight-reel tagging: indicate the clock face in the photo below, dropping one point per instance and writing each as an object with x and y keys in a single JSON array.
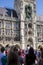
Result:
[{"x": 28, "y": 11}]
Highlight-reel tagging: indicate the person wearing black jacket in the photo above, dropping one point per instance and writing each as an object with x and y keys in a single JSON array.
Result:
[{"x": 30, "y": 57}]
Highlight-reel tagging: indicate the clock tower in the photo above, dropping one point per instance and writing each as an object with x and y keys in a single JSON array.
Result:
[{"x": 26, "y": 11}]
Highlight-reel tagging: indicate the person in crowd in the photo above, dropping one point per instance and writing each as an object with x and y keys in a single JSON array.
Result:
[
  {"x": 1, "y": 54},
  {"x": 41, "y": 59},
  {"x": 4, "y": 57},
  {"x": 30, "y": 57},
  {"x": 13, "y": 58},
  {"x": 20, "y": 57},
  {"x": 38, "y": 54},
  {"x": 13, "y": 48},
  {"x": 28, "y": 47}
]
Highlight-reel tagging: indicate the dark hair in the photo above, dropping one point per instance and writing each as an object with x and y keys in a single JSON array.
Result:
[
  {"x": 30, "y": 57},
  {"x": 12, "y": 58},
  {"x": 31, "y": 50},
  {"x": 2, "y": 49},
  {"x": 13, "y": 48},
  {"x": 27, "y": 45}
]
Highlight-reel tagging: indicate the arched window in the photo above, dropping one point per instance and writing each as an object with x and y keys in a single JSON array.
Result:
[
  {"x": 30, "y": 25},
  {"x": 30, "y": 40},
  {"x": 29, "y": 32}
]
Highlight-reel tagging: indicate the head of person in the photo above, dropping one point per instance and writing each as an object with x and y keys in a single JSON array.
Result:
[
  {"x": 31, "y": 50},
  {"x": 13, "y": 48},
  {"x": 12, "y": 58},
  {"x": 2, "y": 49},
  {"x": 28, "y": 47}
]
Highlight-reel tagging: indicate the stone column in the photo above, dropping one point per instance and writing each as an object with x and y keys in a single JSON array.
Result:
[
  {"x": 12, "y": 33},
  {"x": 35, "y": 34},
  {"x": 4, "y": 31},
  {"x": 22, "y": 35}
]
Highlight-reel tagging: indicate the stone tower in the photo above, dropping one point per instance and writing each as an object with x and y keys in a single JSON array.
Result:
[{"x": 26, "y": 11}]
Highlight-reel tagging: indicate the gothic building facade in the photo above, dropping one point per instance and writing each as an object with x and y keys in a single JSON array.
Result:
[
  {"x": 26, "y": 11},
  {"x": 21, "y": 26}
]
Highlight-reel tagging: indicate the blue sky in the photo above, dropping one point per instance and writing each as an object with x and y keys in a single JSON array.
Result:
[
  {"x": 7, "y": 3},
  {"x": 10, "y": 4},
  {"x": 39, "y": 7}
]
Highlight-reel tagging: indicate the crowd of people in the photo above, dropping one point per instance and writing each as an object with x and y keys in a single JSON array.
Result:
[{"x": 17, "y": 56}]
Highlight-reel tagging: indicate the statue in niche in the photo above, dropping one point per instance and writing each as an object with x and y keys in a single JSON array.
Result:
[{"x": 28, "y": 11}]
